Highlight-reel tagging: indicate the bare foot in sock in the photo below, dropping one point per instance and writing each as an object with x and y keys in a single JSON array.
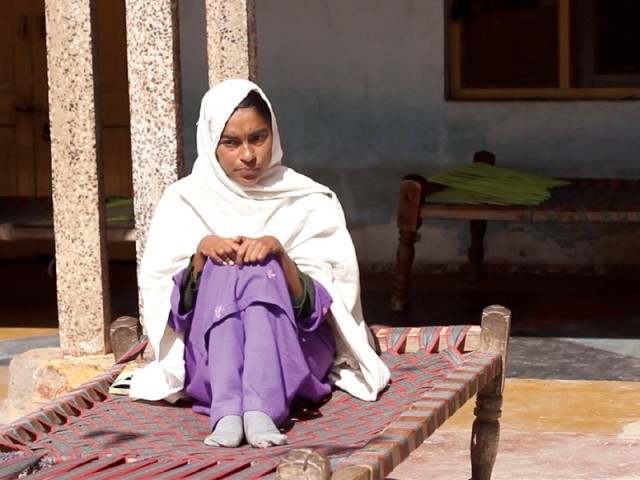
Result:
[
  {"x": 228, "y": 432},
  {"x": 260, "y": 430}
]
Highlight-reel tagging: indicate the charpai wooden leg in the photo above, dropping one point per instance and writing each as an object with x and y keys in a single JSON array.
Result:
[{"x": 485, "y": 435}]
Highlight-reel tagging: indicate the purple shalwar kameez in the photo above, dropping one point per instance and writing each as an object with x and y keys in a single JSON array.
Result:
[{"x": 244, "y": 349}]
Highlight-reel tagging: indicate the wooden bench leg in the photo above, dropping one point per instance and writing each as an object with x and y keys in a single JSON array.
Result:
[
  {"x": 478, "y": 229},
  {"x": 485, "y": 435},
  {"x": 412, "y": 191},
  {"x": 476, "y": 250},
  {"x": 404, "y": 262}
]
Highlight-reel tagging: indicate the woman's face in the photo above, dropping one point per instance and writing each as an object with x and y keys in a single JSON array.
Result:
[{"x": 244, "y": 149}]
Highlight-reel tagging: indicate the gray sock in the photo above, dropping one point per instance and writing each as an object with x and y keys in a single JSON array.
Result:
[
  {"x": 227, "y": 433},
  {"x": 260, "y": 430}
]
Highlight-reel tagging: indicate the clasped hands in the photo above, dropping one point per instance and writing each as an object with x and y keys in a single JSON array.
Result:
[{"x": 238, "y": 251}]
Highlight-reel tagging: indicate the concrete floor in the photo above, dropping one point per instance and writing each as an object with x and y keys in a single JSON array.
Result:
[{"x": 572, "y": 398}]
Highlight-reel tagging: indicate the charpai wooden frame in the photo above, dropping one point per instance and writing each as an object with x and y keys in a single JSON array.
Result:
[{"x": 88, "y": 433}]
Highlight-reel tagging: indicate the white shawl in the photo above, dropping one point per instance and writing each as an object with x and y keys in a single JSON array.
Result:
[{"x": 304, "y": 215}]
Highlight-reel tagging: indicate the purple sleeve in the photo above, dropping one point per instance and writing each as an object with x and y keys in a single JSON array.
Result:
[{"x": 322, "y": 303}]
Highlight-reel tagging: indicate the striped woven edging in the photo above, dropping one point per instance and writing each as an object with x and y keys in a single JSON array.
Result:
[
  {"x": 455, "y": 335},
  {"x": 424, "y": 362},
  {"x": 416, "y": 424},
  {"x": 61, "y": 410},
  {"x": 429, "y": 339},
  {"x": 454, "y": 355},
  {"x": 396, "y": 339}
]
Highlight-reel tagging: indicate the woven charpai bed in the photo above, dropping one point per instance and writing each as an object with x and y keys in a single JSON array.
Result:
[{"x": 89, "y": 433}]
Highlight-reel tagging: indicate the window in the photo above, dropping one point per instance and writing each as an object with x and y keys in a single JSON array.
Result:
[{"x": 527, "y": 49}]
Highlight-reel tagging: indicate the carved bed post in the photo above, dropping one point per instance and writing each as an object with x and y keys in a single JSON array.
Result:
[
  {"x": 412, "y": 193},
  {"x": 496, "y": 325}
]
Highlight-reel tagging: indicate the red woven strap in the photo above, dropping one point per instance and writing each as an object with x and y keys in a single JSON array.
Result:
[{"x": 89, "y": 434}]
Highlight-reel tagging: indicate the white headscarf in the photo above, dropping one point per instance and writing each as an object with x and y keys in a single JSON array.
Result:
[{"x": 304, "y": 215}]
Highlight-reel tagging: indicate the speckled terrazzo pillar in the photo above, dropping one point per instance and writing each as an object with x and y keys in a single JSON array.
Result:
[
  {"x": 231, "y": 40},
  {"x": 80, "y": 232},
  {"x": 155, "y": 105}
]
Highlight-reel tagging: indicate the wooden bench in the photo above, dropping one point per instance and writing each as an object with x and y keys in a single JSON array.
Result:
[
  {"x": 584, "y": 200},
  {"x": 31, "y": 218},
  {"x": 89, "y": 433}
]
